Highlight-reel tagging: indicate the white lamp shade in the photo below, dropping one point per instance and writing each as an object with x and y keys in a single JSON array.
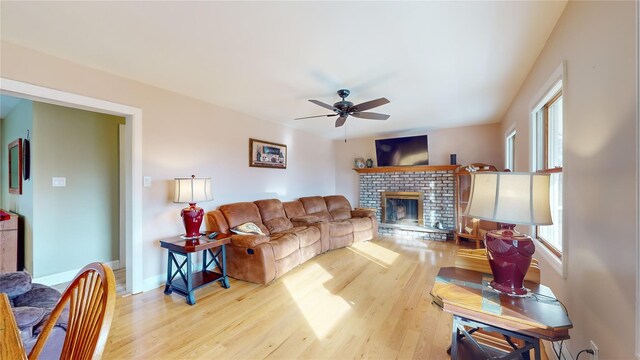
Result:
[
  {"x": 510, "y": 198},
  {"x": 192, "y": 190}
]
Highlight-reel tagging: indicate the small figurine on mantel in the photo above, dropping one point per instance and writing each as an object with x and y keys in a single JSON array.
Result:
[
  {"x": 369, "y": 163},
  {"x": 359, "y": 163}
]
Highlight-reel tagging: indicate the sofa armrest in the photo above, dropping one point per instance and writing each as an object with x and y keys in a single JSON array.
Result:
[
  {"x": 305, "y": 220},
  {"x": 363, "y": 213},
  {"x": 248, "y": 241}
]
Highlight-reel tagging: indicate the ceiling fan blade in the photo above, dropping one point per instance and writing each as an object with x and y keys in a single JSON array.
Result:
[
  {"x": 317, "y": 116},
  {"x": 340, "y": 121},
  {"x": 369, "y": 105},
  {"x": 370, "y": 116},
  {"x": 320, "y": 103}
]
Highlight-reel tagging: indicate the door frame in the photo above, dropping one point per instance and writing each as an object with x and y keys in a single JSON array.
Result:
[{"x": 132, "y": 166}]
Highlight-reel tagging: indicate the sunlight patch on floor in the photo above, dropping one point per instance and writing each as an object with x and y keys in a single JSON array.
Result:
[
  {"x": 322, "y": 309},
  {"x": 374, "y": 252}
]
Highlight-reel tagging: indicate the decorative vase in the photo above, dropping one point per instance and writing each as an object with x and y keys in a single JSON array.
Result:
[{"x": 509, "y": 254}]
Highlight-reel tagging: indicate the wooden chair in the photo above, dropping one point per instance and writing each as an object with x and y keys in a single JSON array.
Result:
[
  {"x": 91, "y": 300},
  {"x": 477, "y": 260}
]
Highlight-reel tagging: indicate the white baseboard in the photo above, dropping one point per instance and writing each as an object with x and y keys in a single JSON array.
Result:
[
  {"x": 154, "y": 282},
  {"x": 63, "y": 277}
]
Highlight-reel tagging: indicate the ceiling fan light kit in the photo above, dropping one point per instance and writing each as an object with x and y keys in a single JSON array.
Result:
[{"x": 344, "y": 108}]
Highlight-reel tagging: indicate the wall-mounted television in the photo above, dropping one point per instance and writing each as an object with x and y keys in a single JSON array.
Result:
[{"x": 404, "y": 151}]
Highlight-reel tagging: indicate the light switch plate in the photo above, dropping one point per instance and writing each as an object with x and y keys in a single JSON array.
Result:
[
  {"x": 59, "y": 181},
  {"x": 147, "y": 181}
]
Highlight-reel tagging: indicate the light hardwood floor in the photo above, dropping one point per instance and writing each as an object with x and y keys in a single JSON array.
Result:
[{"x": 368, "y": 301}]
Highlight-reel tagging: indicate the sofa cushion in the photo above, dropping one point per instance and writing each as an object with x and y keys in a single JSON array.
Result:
[
  {"x": 40, "y": 296},
  {"x": 293, "y": 209},
  {"x": 283, "y": 245},
  {"x": 273, "y": 215},
  {"x": 247, "y": 228},
  {"x": 338, "y": 206},
  {"x": 243, "y": 212},
  {"x": 315, "y": 205},
  {"x": 15, "y": 283},
  {"x": 307, "y": 235},
  {"x": 340, "y": 228},
  {"x": 304, "y": 220},
  {"x": 28, "y": 316}
]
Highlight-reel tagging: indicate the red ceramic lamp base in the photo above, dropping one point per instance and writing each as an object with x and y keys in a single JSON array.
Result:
[
  {"x": 192, "y": 218},
  {"x": 509, "y": 254}
]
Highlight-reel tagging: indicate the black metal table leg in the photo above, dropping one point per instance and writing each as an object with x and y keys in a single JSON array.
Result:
[
  {"x": 167, "y": 286},
  {"x": 191, "y": 299},
  {"x": 454, "y": 338},
  {"x": 223, "y": 268}
]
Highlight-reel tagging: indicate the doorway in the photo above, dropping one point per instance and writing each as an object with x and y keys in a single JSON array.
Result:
[{"x": 132, "y": 167}]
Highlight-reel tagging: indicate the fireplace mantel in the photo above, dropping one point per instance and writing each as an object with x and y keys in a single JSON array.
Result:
[{"x": 386, "y": 169}]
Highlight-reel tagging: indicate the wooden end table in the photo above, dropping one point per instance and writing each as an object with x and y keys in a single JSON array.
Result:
[
  {"x": 466, "y": 295},
  {"x": 188, "y": 281}
]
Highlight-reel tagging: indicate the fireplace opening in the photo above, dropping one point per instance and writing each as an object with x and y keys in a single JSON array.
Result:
[{"x": 404, "y": 208}]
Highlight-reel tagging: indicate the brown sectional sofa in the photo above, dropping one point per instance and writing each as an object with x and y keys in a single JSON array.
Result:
[{"x": 295, "y": 231}]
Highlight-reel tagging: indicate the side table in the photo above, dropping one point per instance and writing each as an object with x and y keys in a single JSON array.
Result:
[
  {"x": 179, "y": 254},
  {"x": 466, "y": 295}
]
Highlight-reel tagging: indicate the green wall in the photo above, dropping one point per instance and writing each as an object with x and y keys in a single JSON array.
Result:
[
  {"x": 15, "y": 125},
  {"x": 79, "y": 223},
  {"x": 67, "y": 227}
]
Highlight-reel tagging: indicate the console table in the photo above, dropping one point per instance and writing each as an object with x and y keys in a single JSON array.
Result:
[
  {"x": 179, "y": 254},
  {"x": 474, "y": 305}
]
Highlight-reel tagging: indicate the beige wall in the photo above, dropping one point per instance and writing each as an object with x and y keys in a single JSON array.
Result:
[
  {"x": 15, "y": 125},
  {"x": 482, "y": 143},
  {"x": 597, "y": 40},
  {"x": 183, "y": 136},
  {"x": 79, "y": 223}
]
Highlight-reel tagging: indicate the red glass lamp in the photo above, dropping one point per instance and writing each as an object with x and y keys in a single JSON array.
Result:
[
  {"x": 509, "y": 198},
  {"x": 192, "y": 190}
]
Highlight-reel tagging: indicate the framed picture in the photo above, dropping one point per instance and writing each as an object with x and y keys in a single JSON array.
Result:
[
  {"x": 15, "y": 167},
  {"x": 267, "y": 154}
]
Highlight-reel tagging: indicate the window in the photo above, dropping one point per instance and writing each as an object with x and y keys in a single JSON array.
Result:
[
  {"x": 510, "y": 151},
  {"x": 547, "y": 153}
]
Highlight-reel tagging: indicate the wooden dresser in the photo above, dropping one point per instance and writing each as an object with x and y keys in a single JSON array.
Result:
[{"x": 9, "y": 243}]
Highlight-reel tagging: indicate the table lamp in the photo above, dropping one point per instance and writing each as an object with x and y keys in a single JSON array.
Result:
[
  {"x": 192, "y": 190},
  {"x": 509, "y": 198}
]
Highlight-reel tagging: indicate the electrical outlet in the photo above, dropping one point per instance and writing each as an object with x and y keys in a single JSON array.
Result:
[{"x": 594, "y": 347}]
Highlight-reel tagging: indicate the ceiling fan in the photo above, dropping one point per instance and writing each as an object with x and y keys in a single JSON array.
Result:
[{"x": 344, "y": 108}]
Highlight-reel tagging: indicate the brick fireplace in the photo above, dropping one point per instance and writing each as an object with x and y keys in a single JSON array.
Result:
[{"x": 430, "y": 189}]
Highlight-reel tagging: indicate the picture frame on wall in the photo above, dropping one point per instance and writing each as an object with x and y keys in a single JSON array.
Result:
[
  {"x": 15, "y": 167},
  {"x": 267, "y": 154}
]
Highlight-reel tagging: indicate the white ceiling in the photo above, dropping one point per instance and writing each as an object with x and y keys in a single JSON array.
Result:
[{"x": 442, "y": 64}]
